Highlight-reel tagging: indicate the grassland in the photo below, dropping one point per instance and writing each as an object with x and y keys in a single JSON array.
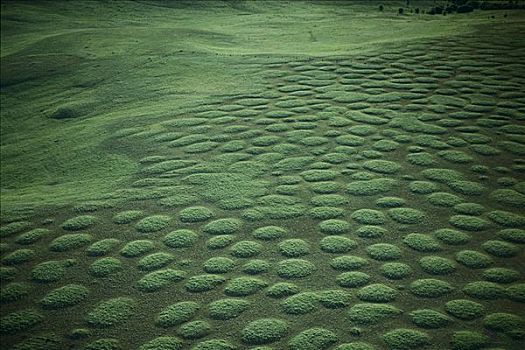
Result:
[{"x": 261, "y": 175}]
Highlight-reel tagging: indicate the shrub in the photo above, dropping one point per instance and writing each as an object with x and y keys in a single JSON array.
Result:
[
  {"x": 348, "y": 262},
  {"x": 219, "y": 265},
  {"x": 473, "y": 259},
  {"x": 405, "y": 339},
  {"x": 264, "y": 331},
  {"x": 282, "y": 289},
  {"x": 395, "y": 270},
  {"x": 446, "y": 176},
  {"x": 162, "y": 343},
  {"x": 516, "y": 292},
  {"x": 382, "y": 166},
  {"x": 369, "y": 217},
  {"x": 105, "y": 266},
  {"x": 79, "y": 223},
  {"x": 204, "y": 283},
  {"x": 219, "y": 242},
  {"x": 464, "y": 309},
  {"x": 371, "y": 187},
  {"x": 421, "y": 242},
  {"x": 102, "y": 247},
  {"x": 246, "y": 249},
  {"x": 468, "y": 222},
  {"x": 214, "y": 344},
  {"x": 390, "y": 202},
  {"x": 467, "y": 340},
  {"x": 195, "y": 214},
  {"x": 13, "y": 292},
  {"x": 500, "y": 248},
  {"x": 66, "y": 296},
  {"x": 506, "y": 323},
  {"x": 180, "y": 239},
  {"x": 111, "y": 312},
  {"x": 334, "y": 299},
  {"x": 294, "y": 248},
  {"x": 501, "y": 275},
  {"x": 137, "y": 248},
  {"x": 377, "y": 293},
  {"x": 334, "y": 227},
  {"x": 452, "y": 237},
  {"x": 368, "y": 314},
  {"x": 223, "y": 226},
  {"x": 157, "y": 280},
  {"x": 32, "y": 236},
  {"x": 430, "y": 288},
  {"x": 176, "y": 314},
  {"x": 126, "y": 217},
  {"x": 295, "y": 268},
  {"x": 507, "y": 219},
  {"x": 155, "y": 261},
  {"x": 268, "y": 233},
  {"x": 383, "y": 251},
  {"x": 406, "y": 215},
  {"x": 153, "y": 223},
  {"x": 225, "y": 309},
  {"x": 18, "y": 257},
  {"x": 14, "y": 227},
  {"x": 194, "y": 330},
  {"x": 243, "y": 286},
  {"x": 484, "y": 290},
  {"x": 423, "y": 159},
  {"x": 422, "y": 187},
  {"x": 427, "y": 318},
  {"x": 20, "y": 321},
  {"x": 337, "y": 244},
  {"x": 300, "y": 303},
  {"x": 50, "y": 271},
  {"x": 370, "y": 231},
  {"x": 443, "y": 199},
  {"x": 352, "y": 279},
  {"x": 436, "y": 265},
  {"x": 256, "y": 266},
  {"x": 69, "y": 242},
  {"x": 513, "y": 235},
  {"x": 313, "y": 339}
]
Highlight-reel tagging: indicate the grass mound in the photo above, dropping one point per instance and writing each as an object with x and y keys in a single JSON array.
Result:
[
  {"x": 334, "y": 299},
  {"x": 137, "y": 248},
  {"x": 282, "y": 289},
  {"x": 484, "y": 290},
  {"x": 293, "y": 248},
  {"x": 501, "y": 275},
  {"x": 377, "y": 293},
  {"x": 382, "y": 166},
  {"x": 111, "y": 312},
  {"x": 102, "y": 247},
  {"x": 264, "y": 331},
  {"x": 20, "y": 321},
  {"x": 369, "y": 314},
  {"x": 353, "y": 279},
  {"x": 430, "y": 288},
  {"x": 243, "y": 286},
  {"x": 66, "y": 296},
  {"x": 215, "y": 344},
  {"x": 436, "y": 265},
  {"x": 162, "y": 343},
  {"x": 509, "y": 324},
  {"x": 32, "y": 236},
  {"x": 182, "y": 238},
  {"x": 14, "y": 227},
  {"x": 464, "y": 309},
  {"x": 334, "y": 227},
  {"x": 468, "y": 340},
  {"x": 430, "y": 319},
  {"x": 176, "y": 314},
  {"x": 50, "y": 271},
  {"x": 126, "y": 217},
  {"x": 371, "y": 187},
  {"x": 13, "y": 292},
  {"x": 160, "y": 279},
  {"x": 195, "y": 214},
  {"x": 105, "y": 267},
  {"x": 468, "y": 223},
  {"x": 406, "y": 215},
  {"x": 313, "y": 339},
  {"x": 268, "y": 233},
  {"x": 246, "y": 249},
  {"x": 153, "y": 223},
  {"x": 452, "y": 237},
  {"x": 337, "y": 244},
  {"x": 79, "y": 223},
  {"x": 395, "y": 270},
  {"x": 406, "y": 339},
  {"x": 422, "y": 242},
  {"x": 355, "y": 346},
  {"x": 368, "y": 217},
  {"x": 370, "y": 231},
  {"x": 204, "y": 283},
  {"x": 225, "y": 309},
  {"x": 473, "y": 259},
  {"x": 219, "y": 264},
  {"x": 155, "y": 261},
  {"x": 18, "y": 257},
  {"x": 500, "y": 249},
  {"x": 383, "y": 251},
  {"x": 69, "y": 242},
  {"x": 194, "y": 330},
  {"x": 256, "y": 266},
  {"x": 225, "y": 226},
  {"x": 294, "y": 268},
  {"x": 300, "y": 303}
]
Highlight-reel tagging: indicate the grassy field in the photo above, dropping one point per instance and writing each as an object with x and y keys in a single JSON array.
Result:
[{"x": 261, "y": 175}]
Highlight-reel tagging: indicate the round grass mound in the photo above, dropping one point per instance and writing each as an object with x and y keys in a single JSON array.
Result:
[
  {"x": 137, "y": 248},
  {"x": 153, "y": 223},
  {"x": 436, "y": 265},
  {"x": 369, "y": 314},
  {"x": 32, "y": 236},
  {"x": 282, "y": 289},
  {"x": 429, "y": 319},
  {"x": 66, "y": 296},
  {"x": 382, "y": 166},
  {"x": 464, "y": 309},
  {"x": 395, "y": 270},
  {"x": 246, "y": 249},
  {"x": 79, "y": 223},
  {"x": 406, "y": 339},
  {"x": 313, "y": 339},
  {"x": 155, "y": 261},
  {"x": 194, "y": 330},
  {"x": 377, "y": 293},
  {"x": 352, "y": 279},
  {"x": 468, "y": 340},
  {"x": 111, "y": 312},
  {"x": 406, "y": 215},
  {"x": 69, "y": 242},
  {"x": 105, "y": 267},
  {"x": 430, "y": 288},
  {"x": 180, "y": 239},
  {"x": 501, "y": 275},
  {"x": 20, "y": 321},
  {"x": 219, "y": 242},
  {"x": 243, "y": 286},
  {"x": 484, "y": 290},
  {"x": 468, "y": 222},
  {"x": 13, "y": 291},
  {"x": 334, "y": 227},
  {"x": 512, "y": 235},
  {"x": 203, "y": 283},
  {"x": 452, "y": 237},
  {"x": 383, "y": 251},
  {"x": 355, "y": 346},
  {"x": 473, "y": 259},
  {"x": 371, "y": 231},
  {"x": 421, "y": 242},
  {"x": 219, "y": 264},
  {"x": 509, "y": 324},
  {"x": 334, "y": 298},
  {"x": 104, "y": 344},
  {"x": 348, "y": 262},
  {"x": 50, "y": 271},
  {"x": 126, "y": 217},
  {"x": 500, "y": 249},
  {"x": 368, "y": 217},
  {"x": 294, "y": 268},
  {"x": 516, "y": 292},
  {"x": 162, "y": 343},
  {"x": 160, "y": 279},
  {"x": 294, "y": 248},
  {"x": 225, "y": 309},
  {"x": 225, "y": 226},
  {"x": 176, "y": 314},
  {"x": 264, "y": 331},
  {"x": 268, "y": 233},
  {"x": 19, "y": 256},
  {"x": 371, "y": 187},
  {"x": 195, "y": 214},
  {"x": 215, "y": 344},
  {"x": 102, "y": 247},
  {"x": 300, "y": 303},
  {"x": 337, "y": 244},
  {"x": 256, "y": 266}
]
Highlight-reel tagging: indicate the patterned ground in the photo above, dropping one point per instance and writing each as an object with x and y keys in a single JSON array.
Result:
[{"x": 364, "y": 202}]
